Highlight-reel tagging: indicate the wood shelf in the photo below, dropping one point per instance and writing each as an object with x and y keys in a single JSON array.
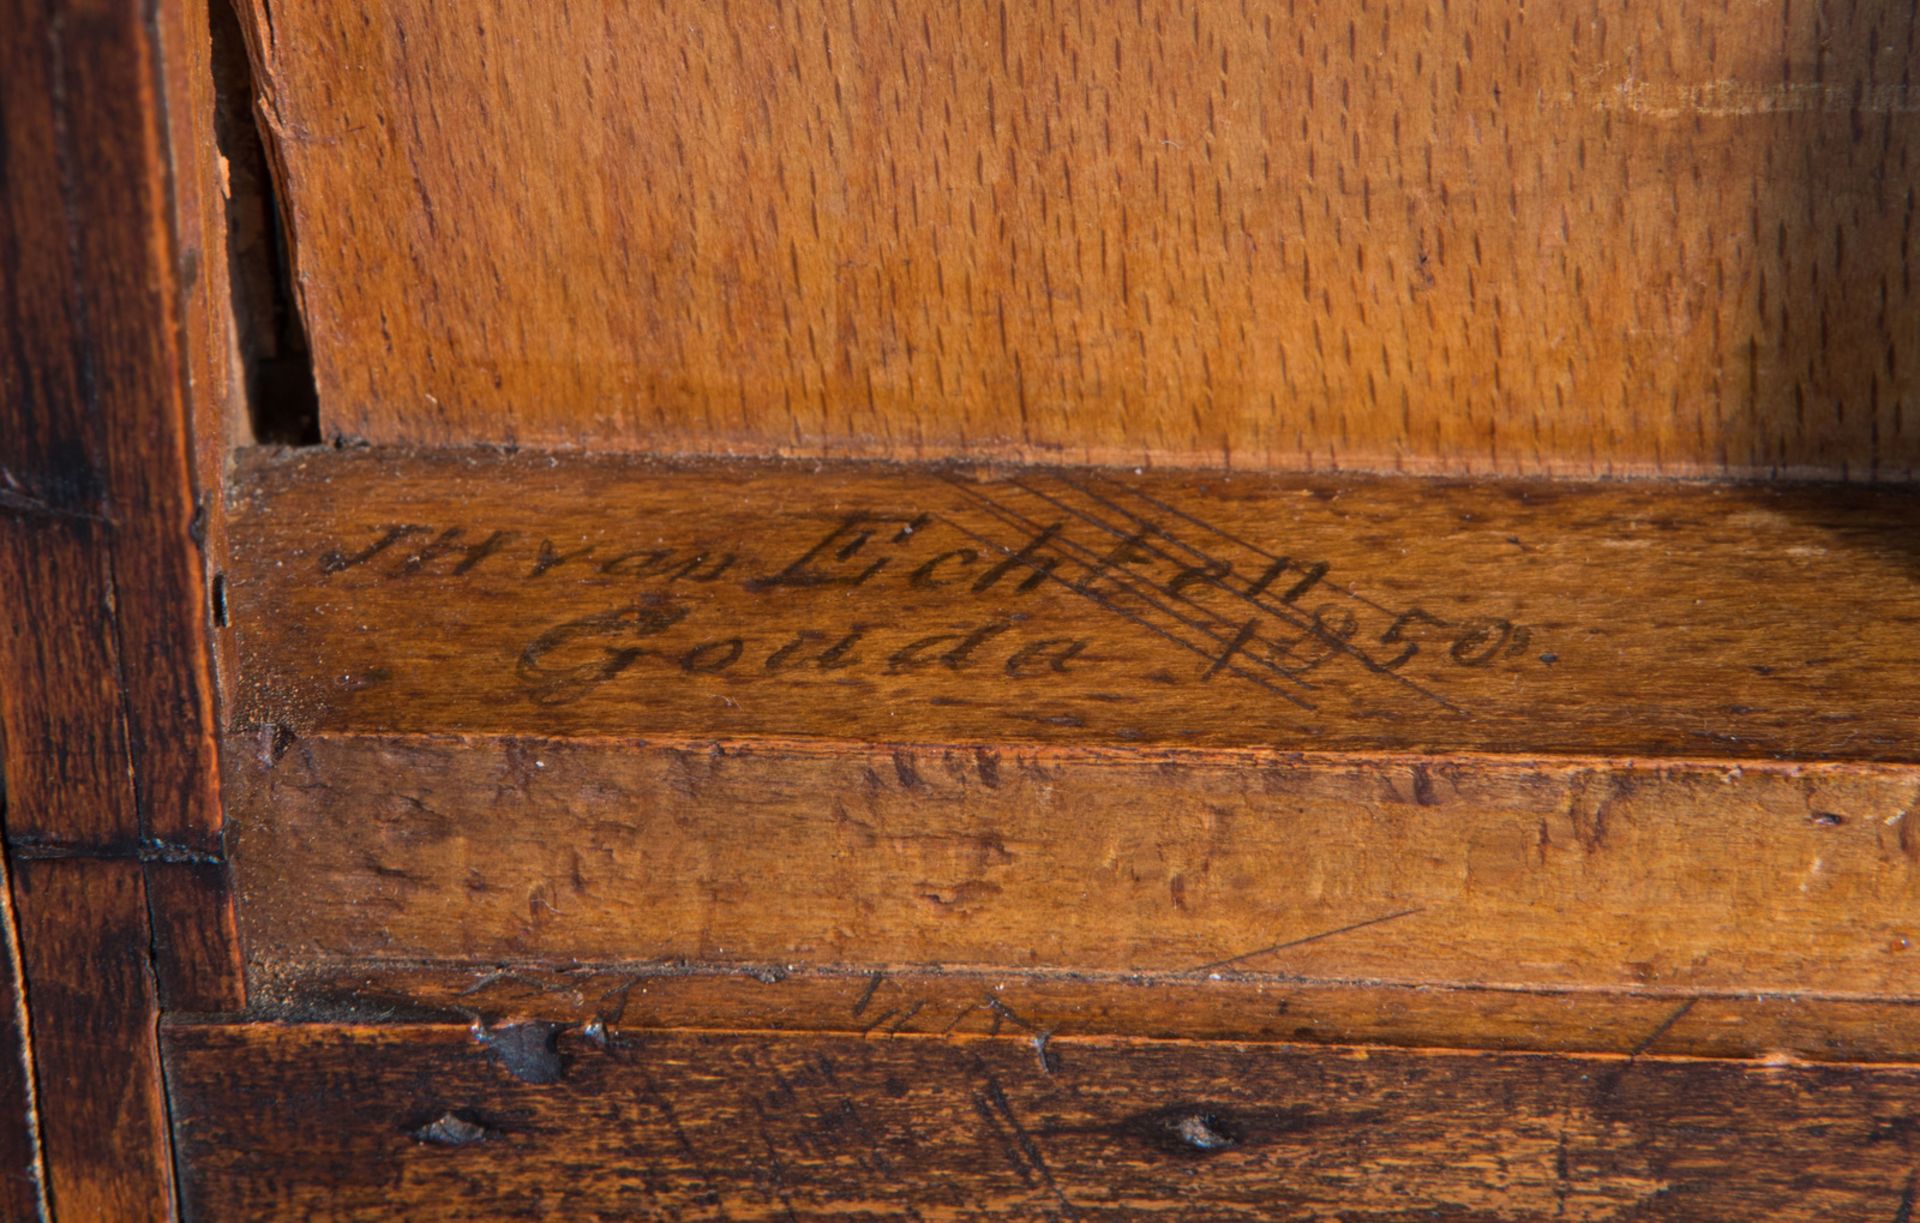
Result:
[
  {"x": 1626, "y": 742},
  {"x": 578, "y": 597}
]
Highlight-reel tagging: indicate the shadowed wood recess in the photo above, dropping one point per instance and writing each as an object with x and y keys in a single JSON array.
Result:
[
  {"x": 519, "y": 714},
  {"x": 447, "y": 1122},
  {"x": 1578, "y": 238}
]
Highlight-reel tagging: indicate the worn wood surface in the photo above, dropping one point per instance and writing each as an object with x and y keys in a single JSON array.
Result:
[
  {"x": 195, "y": 940},
  {"x": 108, "y": 339},
  {"x": 1580, "y": 238},
  {"x": 426, "y": 593},
  {"x": 430, "y": 1122},
  {"x": 363, "y": 852},
  {"x": 103, "y": 1111},
  {"x": 95, "y": 388},
  {"x": 94, "y": 348}
]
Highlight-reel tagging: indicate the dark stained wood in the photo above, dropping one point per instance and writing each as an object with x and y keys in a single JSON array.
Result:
[
  {"x": 96, "y": 391},
  {"x": 428, "y": 593},
  {"x": 433, "y": 1122},
  {"x": 104, "y": 1124},
  {"x": 128, "y": 323},
  {"x": 105, "y": 672},
  {"x": 212, "y": 367},
  {"x": 47, "y": 444},
  {"x": 1580, "y": 238},
  {"x": 196, "y": 946},
  {"x": 371, "y": 853},
  {"x": 65, "y": 744},
  {"x": 1037, "y": 1004},
  {"x": 94, "y": 376},
  {"x": 22, "y": 1178}
]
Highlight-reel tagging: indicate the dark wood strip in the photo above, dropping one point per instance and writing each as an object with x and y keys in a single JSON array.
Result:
[
  {"x": 196, "y": 947},
  {"x": 85, "y": 946},
  {"x": 449, "y": 1122},
  {"x": 127, "y": 321},
  {"x": 66, "y": 769}
]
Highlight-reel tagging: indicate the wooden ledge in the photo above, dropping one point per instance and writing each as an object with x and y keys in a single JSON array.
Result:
[
  {"x": 1626, "y": 743},
  {"x": 412, "y": 593}
]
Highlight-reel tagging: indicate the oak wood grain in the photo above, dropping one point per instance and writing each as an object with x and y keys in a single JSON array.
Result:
[
  {"x": 443, "y": 1122},
  {"x": 365, "y": 855},
  {"x": 1580, "y": 238},
  {"x": 431, "y": 592}
]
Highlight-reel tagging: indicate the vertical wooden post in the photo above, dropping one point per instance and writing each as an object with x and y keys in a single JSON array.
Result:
[{"x": 106, "y": 693}]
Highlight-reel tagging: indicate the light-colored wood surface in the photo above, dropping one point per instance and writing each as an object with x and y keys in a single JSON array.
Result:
[
  {"x": 431, "y": 1122},
  {"x": 1579, "y": 238},
  {"x": 577, "y": 597},
  {"x": 362, "y": 851}
]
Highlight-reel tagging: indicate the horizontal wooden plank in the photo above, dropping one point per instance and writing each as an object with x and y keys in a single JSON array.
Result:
[
  {"x": 446, "y": 1122},
  {"x": 361, "y": 854},
  {"x": 377, "y": 592},
  {"x": 1038, "y": 1005},
  {"x": 1583, "y": 237}
]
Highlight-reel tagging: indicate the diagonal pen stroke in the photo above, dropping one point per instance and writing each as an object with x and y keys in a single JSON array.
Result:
[
  {"x": 1348, "y": 648},
  {"x": 1077, "y": 553},
  {"x": 993, "y": 508},
  {"x": 1311, "y": 938}
]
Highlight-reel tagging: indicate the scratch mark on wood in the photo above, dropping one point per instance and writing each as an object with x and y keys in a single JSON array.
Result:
[
  {"x": 1311, "y": 938},
  {"x": 1662, "y": 1028}
]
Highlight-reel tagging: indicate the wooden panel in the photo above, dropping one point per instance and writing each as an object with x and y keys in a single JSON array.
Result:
[
  {"x": 1583, "y": 238},
  {"x": 1757, "y": 879},
  {"x": 532, "y": 595},
  {"x": 399, "y": 1122},
  {"x": 104, "y": 1125}
]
